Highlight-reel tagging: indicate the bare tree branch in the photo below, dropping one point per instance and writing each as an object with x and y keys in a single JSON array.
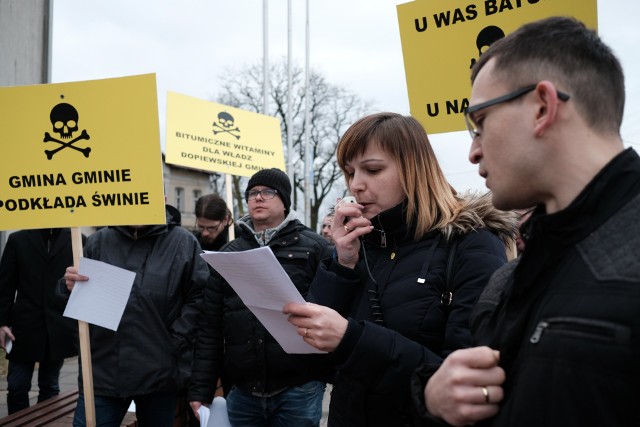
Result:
[{"x": 331, "y": 110}]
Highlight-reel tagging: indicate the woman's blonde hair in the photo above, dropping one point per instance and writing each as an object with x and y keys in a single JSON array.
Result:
[{"x": 431, "y": 200}]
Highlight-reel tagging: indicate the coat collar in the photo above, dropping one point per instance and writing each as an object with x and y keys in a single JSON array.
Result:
[
  {"x": 389, "y": 227},
  {"x": 54, "y": 237},
  {"x": 587, "y": 211},
  {"x": 476, "y": 211},
  {"x": 548, "y": 237}
]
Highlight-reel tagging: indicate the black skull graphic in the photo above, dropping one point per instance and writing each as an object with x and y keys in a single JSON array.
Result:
[
  {"x": 485, "y": 38},
  {"x": 64, "y": 118},
  {"x": 226, "y": 125}
]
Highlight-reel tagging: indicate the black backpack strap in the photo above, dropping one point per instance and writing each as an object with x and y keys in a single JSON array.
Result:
[{"x": 446, "y": 298}]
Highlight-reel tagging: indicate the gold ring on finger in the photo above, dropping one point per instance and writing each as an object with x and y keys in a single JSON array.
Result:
[{"x": 485, "y": 393}]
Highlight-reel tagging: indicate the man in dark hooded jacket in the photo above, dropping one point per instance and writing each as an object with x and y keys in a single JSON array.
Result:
[{"x": 148, "y": 359}]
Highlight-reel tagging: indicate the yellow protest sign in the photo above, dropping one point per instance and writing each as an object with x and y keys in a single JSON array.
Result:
[
  {"x": 214, "y": 137},
  {"x": 442, "y": 40},
  {"x": 81, "y": 154}
]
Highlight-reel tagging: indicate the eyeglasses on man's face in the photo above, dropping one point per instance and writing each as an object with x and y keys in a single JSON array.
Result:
[
  {"x": 266, "y": 194},
  {"x": 209, "y": 229},
  {"x": 468, "y": 113}
]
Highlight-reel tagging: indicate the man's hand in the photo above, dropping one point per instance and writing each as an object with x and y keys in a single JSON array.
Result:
[
  {"x": 5, "y": 335},
  {"x": 195, "y": 406},
  {"x": 467, "y": 387},
  {"x": 71, "y": 276}
]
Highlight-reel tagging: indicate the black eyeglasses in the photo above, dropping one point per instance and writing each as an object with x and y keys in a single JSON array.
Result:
[
  {"x": 266, "y": 194},
  {"x": 473, "y": 128},
  {"x": 211, "y": 229}
]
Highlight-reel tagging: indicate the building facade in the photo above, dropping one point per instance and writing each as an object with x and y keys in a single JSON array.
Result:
[{"x": 183, "y": 186}]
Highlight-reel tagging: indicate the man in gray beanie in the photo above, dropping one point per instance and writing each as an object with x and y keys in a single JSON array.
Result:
[{"x": 270, "y": 387}]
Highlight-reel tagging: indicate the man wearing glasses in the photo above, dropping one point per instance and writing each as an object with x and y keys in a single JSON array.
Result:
[
  {"x": 558, "y": 329},
  {"x": 270, "y": 387},
  {"x": 213, "y": 219}
]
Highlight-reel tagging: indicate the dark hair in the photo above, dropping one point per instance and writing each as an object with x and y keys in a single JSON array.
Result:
[
  {"x": 213, "y": 207},
  {"x": 564, "y": 51}
]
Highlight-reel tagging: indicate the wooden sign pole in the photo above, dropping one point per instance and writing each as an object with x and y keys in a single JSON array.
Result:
[
  {"x": 227, "y": 182},
  {"x": 85, "y": 344}
]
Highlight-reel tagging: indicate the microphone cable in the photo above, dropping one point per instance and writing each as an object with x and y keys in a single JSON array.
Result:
[{"x": 374, "y": 296}]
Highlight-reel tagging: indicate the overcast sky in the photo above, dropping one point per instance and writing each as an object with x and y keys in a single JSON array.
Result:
[{"x": 354, "y": 44}]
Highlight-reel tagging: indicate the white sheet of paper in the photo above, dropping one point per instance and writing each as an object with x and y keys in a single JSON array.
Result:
[
  {"x": 101, "y": 300},
  {"x": 216, "y": 416},
  {"x": 264, "y": 287}
]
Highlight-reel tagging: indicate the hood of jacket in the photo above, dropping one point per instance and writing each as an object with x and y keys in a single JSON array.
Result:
[
  {"x": 477, "y": 211},
  {"x": 174, "y": 218},
  {"x": 263, "y": 237}
]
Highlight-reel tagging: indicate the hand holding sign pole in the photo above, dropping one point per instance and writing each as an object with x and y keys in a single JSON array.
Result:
[{"x": 59, "y": 174}]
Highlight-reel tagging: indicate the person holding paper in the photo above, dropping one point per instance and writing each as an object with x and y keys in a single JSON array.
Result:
[
  {"x": 148, "y": 359},
  {"x": 411, "y": 258},
  {"x": 270, "y": 387},
  {"x": 32, "y": 326}
]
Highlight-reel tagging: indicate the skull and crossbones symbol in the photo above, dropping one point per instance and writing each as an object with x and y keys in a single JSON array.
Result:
[
  {"x": 64, "y": 118},
  {"x": 226, "y": 123},
  {"x": 485, "y": 38}
]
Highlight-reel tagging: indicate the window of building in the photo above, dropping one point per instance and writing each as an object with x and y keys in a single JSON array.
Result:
[
  {"x": 180, "y": 198},
  {"x": 196, "y": 196}
]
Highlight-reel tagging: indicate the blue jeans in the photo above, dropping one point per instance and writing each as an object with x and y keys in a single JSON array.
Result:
[
  {"x": 299, "y": 406},
  {"x": 152, "y": 410},
  {"x": 19, "y": 382}
]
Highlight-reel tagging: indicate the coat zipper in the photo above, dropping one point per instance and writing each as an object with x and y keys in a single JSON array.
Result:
[{"x": 577, "y": 325}]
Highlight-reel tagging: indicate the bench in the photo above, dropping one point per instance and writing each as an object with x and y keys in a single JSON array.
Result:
[{"x": 56, "y": 412}]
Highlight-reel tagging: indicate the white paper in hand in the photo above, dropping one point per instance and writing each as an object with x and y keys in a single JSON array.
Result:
[
  {"x": 101, "y": 300},
  {"x": 265, "y": 288},
  {"x": 216, "y": 416}
]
